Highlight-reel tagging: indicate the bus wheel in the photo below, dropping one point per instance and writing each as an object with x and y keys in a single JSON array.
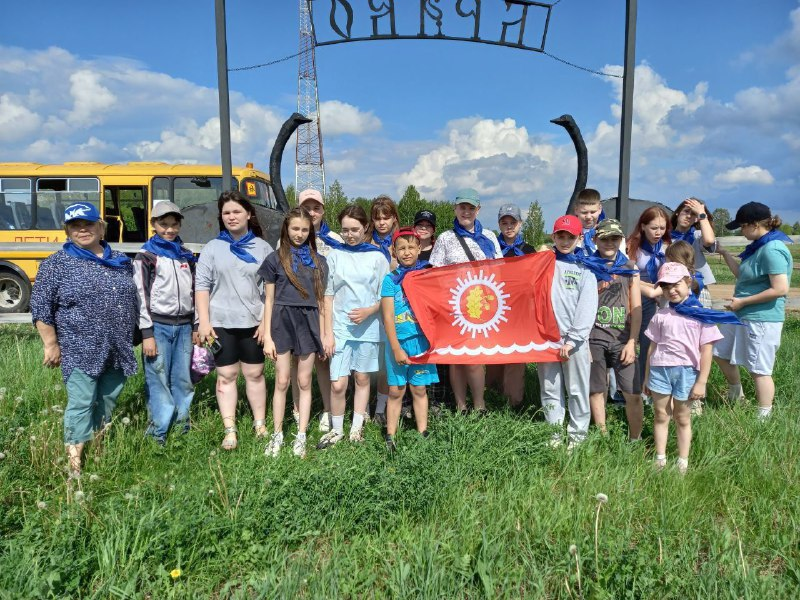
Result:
[{"x": 15, "y": 293}]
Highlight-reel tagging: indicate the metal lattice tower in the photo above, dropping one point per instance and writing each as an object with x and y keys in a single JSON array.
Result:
[{"x": 309, "y": 166}]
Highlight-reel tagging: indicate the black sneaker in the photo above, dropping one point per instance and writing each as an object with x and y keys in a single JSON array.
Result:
[{"x": 390, "y": 445}]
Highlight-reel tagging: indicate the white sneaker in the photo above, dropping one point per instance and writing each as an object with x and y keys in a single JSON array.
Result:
[
  {"x": 275, "y": 445},
  {"x": 325, "y": 422},
  {"x": 556, "y": 441},
  {"x": 299, "y": 447},
  {"x": 329, "y": 439},
  {"x": 659, "y": 464},
  {"x": 682, "y": 465},
  {"x": 357, "y": 435}
]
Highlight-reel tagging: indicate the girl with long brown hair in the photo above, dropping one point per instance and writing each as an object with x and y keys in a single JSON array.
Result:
[{"x": 295, "y": 277}]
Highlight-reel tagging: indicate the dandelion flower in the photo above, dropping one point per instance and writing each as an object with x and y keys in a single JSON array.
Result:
[
  {"x": 33, "y": 438},
  {"x": 97, "y": 459},
  {"x": 18, "y": 399},
  {"x": 212, "y": 453},
  {"x": 79, "y": 496},
  {"x": 41, "y": 505},
  {"x": 573, "y": 549},
  {"x": 175, "y": 573},
  {"x": 94, "y": 477},
  {"x": 601, "y": 498},
  {"x": 2, "y": 455},
  {"x": 2, "y": 391},
  {"x": 210, "y": 492},
  {"x": 172, "y": 487},
  {"x": 126, "y": 421},
  {"x": 20, "y": 429},
  {"x": 128, "y": 496}
]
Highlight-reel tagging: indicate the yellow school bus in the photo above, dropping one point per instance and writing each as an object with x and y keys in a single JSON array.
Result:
[{"x": 33, "y": 197}]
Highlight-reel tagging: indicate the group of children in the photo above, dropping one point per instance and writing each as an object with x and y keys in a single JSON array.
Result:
[{"x": 336, "y": 303}]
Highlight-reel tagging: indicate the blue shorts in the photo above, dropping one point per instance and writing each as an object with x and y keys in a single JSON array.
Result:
[
  {"x": 400, "y": 375},
  {"x": 361, "y": 357},
  {"x": 674, "y": 381}
]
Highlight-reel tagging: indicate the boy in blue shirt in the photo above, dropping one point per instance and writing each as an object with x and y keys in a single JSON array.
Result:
[{"x": 404, "y": 338}]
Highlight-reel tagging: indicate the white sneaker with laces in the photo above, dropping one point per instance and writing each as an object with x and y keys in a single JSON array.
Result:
[
  {"x": 299, "y": 447},
  {"x": 357, "y": 435},
  {"x": 325, "y": 422},
  {"x": 329, "y": 439},
  {"x": 274, "y": 446}
]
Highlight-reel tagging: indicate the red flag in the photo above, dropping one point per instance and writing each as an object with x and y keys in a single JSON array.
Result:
[{"x": 487, "y": 312}]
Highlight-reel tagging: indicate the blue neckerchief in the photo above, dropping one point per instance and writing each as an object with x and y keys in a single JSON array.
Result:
[
  {"x": 683, "y": 236},
  {"x": 302, "y": 255},
  {"x": 656, "y": 258},
  {"x": 324, "y": 234},
  {"x": 240, "y": 246},
  {"x": 362, "y": 247},
  {"x": 596, "y": 265},
  {"x": 174, "y": 250},
  {"x": 701, "y": 283},
  {"x": 484, "y": 243},
  {"x": 775, "y": 234},
  {"x": 384, "y": 243},
  {"x": 692, "y": 309},
  {"x": 115, "y": 262},
  {"x": 399, "y": 274},
  {"x": 618, "y": 266},
  {"x": 515, "y": 247},
  {"x": 588, "y": 241}
]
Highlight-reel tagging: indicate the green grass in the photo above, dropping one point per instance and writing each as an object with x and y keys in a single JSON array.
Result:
[
  {"x": 723, "y": 274},
  {"x": 483, "y": 508}
]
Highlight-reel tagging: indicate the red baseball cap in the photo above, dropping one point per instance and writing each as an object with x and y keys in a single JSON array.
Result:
[
  {"x": 568, "y": 223},
  {"x": 404, "y": 231}
]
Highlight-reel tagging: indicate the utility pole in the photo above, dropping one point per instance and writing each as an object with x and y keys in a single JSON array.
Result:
[
  {"x": 309, "y": 165},
  {"x": 224, "y": 100},
  {"x": 626, "y": 122}
]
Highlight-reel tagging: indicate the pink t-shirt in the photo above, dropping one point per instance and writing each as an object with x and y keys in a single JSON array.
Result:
[{"x": 678, "y": 339}]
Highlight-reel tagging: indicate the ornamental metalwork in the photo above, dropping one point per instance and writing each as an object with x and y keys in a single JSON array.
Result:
[{"x": 523, "y": 26}]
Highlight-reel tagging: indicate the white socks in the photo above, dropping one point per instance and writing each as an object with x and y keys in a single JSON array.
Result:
[
  {"x": 358, "y": 421},
  {"x": 337, "y": 423},
  {"x": 380, "y": 407}
]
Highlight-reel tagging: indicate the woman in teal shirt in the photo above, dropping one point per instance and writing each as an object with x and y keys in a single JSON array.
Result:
[{"x": 759, "y": 300}]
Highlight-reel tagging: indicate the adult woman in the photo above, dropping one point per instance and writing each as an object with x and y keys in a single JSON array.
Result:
[
  {"x": 646, "y": 246},
  {"x": 352, "y": 332},
  {"x": 327, "y": 240},
  {"x": 230, "y": 304},
  {"x": 759, "y": 300},
  {"x": 692, "y": 223},
  {"x": 425, "y": 227},
  {"x": 467, "y": 241},
  {"x": 78, "y": 290}
]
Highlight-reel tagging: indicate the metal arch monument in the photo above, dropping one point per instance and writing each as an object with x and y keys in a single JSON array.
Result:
[{"x": 377, "y": 20}]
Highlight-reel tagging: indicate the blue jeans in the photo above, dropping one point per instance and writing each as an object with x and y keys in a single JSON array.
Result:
[
  {"x": 90, "y": 403},
  {"x": 169, "y": 387}
]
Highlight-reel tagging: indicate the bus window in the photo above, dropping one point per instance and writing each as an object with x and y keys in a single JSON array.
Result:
[
  {"x": 53, "y": 195},
  {"x": 161, "y": 189},
  {"x": 258, "y": 192},
  {"x": 189, "y": 191},
  {"x": 15, "y": 203}
]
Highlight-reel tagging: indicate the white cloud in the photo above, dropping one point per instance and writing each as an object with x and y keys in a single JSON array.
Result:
[
  {"x": 751, "y": 174},
  {"x": 341, "y": 118},
  {"x": 688, "y": 176},
  {"x": 16, "y": 120},
  {"x": 92, "y": 100}
]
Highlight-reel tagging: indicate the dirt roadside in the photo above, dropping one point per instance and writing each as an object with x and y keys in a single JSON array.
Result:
[{"x": 721, "y": 291}]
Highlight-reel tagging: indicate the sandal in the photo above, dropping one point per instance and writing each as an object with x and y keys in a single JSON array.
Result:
[
  {"x": 230, "y": 441},
  {"x": 260, "y": 427}
]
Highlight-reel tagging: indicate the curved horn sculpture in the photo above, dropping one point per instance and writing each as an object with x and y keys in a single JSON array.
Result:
[
  {"x": 276, "y": 157},
  {"x": 568, "y": 123}
]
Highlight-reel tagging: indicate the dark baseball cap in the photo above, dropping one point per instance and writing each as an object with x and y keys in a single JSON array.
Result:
[
  {"x": 425, "y": 215},
  {"x": 751, "y": 212}
]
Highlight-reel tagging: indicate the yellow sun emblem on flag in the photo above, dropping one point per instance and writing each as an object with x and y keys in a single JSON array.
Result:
[{"x": 478, "y": 304}]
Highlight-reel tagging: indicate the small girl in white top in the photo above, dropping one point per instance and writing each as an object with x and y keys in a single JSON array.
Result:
[{"x": 352, "y": 325}]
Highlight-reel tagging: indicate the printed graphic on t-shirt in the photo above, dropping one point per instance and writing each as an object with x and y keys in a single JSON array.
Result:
[{"x": 571, "y": 279}]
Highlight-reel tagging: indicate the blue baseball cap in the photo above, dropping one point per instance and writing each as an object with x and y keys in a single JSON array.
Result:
[
  {"x": 83, "y": 211},
  {"x": 469, "y": 196}
]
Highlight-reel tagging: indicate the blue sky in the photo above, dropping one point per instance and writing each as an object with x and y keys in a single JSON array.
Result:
[{"x": 716, "y": 114}]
